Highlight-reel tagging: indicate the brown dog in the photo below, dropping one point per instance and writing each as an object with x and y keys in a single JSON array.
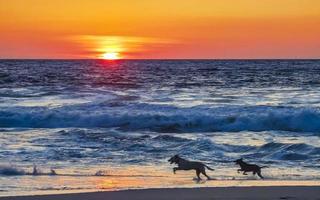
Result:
[
  {"x": 245, "y": 167},
  {"x": 184, "y": 164}
]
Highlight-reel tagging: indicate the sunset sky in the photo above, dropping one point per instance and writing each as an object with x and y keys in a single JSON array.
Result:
[{"x": 160, "y": 29}]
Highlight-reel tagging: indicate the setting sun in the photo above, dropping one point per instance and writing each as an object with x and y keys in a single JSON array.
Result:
[{"x": 111, "y": 56}]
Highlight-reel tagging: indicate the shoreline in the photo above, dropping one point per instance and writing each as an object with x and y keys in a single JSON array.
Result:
[
  {"x": 240, "y": 186},
  {"x": 203, "y": 193}
]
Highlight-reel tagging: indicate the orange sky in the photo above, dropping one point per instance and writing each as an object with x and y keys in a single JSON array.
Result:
[{"x": 160, "y": 29}]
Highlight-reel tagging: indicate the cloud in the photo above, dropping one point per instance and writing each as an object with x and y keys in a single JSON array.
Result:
[{"x": 96, "y": 45}]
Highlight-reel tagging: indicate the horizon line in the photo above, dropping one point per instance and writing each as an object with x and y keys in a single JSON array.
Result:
[{"x": 128, "y": 59}]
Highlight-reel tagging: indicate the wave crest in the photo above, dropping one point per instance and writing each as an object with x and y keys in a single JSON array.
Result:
[{"x": 166, "y": 118}]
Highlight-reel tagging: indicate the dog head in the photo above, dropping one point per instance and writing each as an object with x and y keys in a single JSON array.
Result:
[
  {"x": 238, "y": 161},
  {"x": 175, "y": 159}
]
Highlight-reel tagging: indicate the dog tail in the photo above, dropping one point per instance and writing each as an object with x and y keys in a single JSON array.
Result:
[
  {"x": 263, "y": 167},
  {"x": 209, "y": 168}
]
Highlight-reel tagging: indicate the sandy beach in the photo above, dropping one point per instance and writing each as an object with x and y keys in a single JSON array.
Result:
[{"x": 272, "y": 192}]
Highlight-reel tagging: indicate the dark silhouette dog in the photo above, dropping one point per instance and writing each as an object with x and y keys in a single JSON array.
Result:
[
  {"x": 184, "y": 164},
  {"x": 245, "y": 167}
]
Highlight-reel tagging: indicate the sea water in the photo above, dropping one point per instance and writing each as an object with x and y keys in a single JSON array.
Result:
[{"x": 95, "y": 122}]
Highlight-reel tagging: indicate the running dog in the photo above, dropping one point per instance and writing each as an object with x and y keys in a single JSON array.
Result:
[
  {"x": 184, "y": 164},
  {"x": 245, "y": 167}
]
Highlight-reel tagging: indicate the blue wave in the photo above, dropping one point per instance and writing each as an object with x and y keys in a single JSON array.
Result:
[{"x": 160, "y": 118}]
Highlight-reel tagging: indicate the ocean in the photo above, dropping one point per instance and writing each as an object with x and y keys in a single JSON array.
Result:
[{"x": 94, "y": 121}]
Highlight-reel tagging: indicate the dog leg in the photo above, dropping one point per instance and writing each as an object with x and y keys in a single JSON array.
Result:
[
  {"x": 245, "y": 173},
  {"x": 259, "y": 174},
  {"x": 198, "y": 174},
  {"x": 204, "y": 173},
  {"x": 175, "y": 169},
  {"x": 239, "y": 170}
]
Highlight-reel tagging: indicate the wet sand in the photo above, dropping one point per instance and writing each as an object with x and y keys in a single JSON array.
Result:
[{"x": 223, "y": 193}]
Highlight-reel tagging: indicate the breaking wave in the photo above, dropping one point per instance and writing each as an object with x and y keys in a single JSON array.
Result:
[
  {"x": 15, "y": 171},
  {"x": 161, "y": 118}
]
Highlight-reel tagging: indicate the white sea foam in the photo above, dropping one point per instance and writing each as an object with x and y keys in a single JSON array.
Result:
[{"x": 166, "y": 118}]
